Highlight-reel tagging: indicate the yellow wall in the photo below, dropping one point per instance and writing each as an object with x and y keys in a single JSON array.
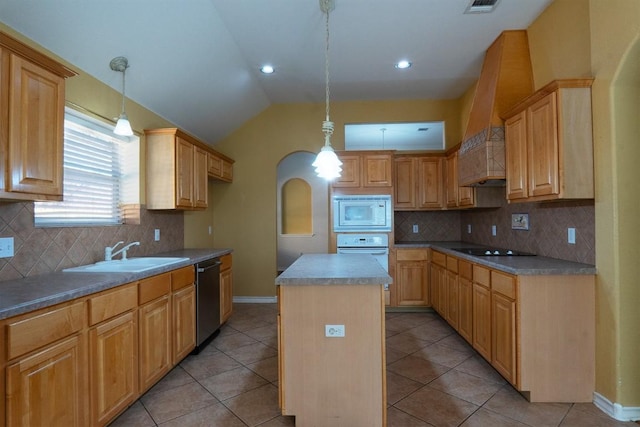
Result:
[
  {"x": 577, "y": 38},
  {"x": 245, "y": 211}
]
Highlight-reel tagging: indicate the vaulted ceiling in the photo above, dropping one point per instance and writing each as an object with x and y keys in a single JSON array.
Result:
[{"x": 196, "y": 62}]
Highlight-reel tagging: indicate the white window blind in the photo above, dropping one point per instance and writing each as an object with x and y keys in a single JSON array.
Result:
[{"x": 92, "y": 173}]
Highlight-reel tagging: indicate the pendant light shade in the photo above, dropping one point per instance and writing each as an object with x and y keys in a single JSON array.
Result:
[
  {"x": 327, "y": 164},
  {"x": 123, "y": 127}
]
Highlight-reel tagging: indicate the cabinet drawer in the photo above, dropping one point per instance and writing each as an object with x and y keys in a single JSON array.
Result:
[
  {"x": 154, "y": 287},
  {"x": 439, "y": 258},
  {"x": 36, "y": 331},
  {"x": 452, "y": 264},
  {"x": 226, "y": 262},
  {"x": 182, "y": 277},
  {"x": 412, "y": 255},
  {"x": 503, "y": 284},
  {"x": 112, "y": 303},
  {"x": 481, "y": 276},
  {"x": 465, "y": 269}
]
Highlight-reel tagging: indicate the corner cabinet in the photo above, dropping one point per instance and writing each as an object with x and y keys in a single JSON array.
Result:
[
  {"x": 549, "y": 144},
  {"x": 178, "y": 169},
  {"x": 32, "y": 97}
]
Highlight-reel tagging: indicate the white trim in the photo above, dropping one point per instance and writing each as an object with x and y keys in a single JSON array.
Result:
[
  {"x": 616, "y": 410},
  {"x": 255, "y": 300}
]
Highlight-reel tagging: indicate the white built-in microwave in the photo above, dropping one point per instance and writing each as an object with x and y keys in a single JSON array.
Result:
[{"x": 364, "y": 213}]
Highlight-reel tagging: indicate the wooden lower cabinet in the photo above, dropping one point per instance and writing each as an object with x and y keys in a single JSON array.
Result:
[
  {"x": 503, "y": 339},
  {"x": 114, "y": 367},
  {"x": 453, "y": 296},
  {"x": 465, "y": 319},
  {"x": 155, "y": 341},
  {"x": 226, "y": 288},
  {"x": 184, "y": 323},
  {"x": 49, "y": 388},
  {"x": 412, "y": 277},
  {"x": 481, "y": 302}
]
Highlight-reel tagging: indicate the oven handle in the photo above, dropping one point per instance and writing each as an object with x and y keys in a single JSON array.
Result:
[{"x": 363, "y": 251}]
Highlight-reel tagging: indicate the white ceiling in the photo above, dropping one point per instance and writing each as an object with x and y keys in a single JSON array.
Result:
[{"x": 195, "y": 62}]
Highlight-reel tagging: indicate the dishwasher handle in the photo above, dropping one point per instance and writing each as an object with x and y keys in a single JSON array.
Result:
[{"x": 208, "y": 267}]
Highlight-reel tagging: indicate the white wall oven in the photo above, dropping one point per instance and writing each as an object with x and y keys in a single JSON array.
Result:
[
  {"x": 376, "y": 245},
  {"x": 363, "y": 213}
]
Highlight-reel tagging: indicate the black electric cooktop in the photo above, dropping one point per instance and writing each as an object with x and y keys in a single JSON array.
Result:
[{"x": 489, "y": 251}]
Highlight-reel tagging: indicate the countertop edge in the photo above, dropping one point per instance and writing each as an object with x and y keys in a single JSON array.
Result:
[
  {"x": 60, "y": 286},
  {"x": 514, "y": 265}
]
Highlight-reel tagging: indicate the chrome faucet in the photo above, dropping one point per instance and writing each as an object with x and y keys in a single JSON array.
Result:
[{"x": 109, "y": 254}]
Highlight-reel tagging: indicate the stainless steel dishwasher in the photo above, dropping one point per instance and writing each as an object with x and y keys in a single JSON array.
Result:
[{"x": 207, "y": 302}]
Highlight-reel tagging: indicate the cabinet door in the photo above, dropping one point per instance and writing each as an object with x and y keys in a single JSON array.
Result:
[
  {"x": 516, "y": 156},
  {"x": 404, "y": 183},
  {"x": 226, "y": 297},
  {"x": 114, "y": 367},
  {"x": 434, "y": 285},
  {"x": 377, "y": 170},
  {"x": 184, "y": 323},
  {"x": 430, "y": 183},
  {"x": 200, "y": 178},
  {"x": 503, "y": 314},
  {"x": 482, "y": 320},
  {"x": 542, "y": 151},
  {"x": 155, "y": 341},
  {"x": 49, "y": 388},
  {"x": 36, "y": 120},
  {"x": 465, "y": 314},
  {"x": 184, "y": 173},
  {"x": 350, "y": 176},
  {"x": 443, "y": 294},
  {"x": 412, "y": 286},
  {"x": 452, "y": 299},
  {"x": 451, "y": 181},
  {"x": 466, "y": 196}
]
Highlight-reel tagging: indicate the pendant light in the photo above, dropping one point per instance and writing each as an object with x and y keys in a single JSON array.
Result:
[
  {"x": 327, "y": 163},
  {"x": 123, "y": 127}
]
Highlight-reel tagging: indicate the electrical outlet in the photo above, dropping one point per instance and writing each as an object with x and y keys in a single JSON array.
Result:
[
  {"x": 494, "y": 230},
  {"x": 571, "y": 236},
  {"x": 415, "y": 228},
  {"x": 334, "y": 331},
  {"x": 156, "y": 234},
  {"x": 210, "y": 230},
  {"x": 6, "y": 247},
  {"x": 468, "y": 228}
]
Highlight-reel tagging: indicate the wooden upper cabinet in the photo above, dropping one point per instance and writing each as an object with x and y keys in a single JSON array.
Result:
[
  {"x": 549, "y": 144},
  {"x": 365, "y": 169},
  {"x": 418, "y": 183},
  {"x": 32, "y": 97},
  {"x": 220, "y": 167},
  {"x": 430, "y": 183}
]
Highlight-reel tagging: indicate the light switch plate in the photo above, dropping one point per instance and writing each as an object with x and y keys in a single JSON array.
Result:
[
  {"x": 571, "y": 236},
  {"x": 156, "y": 234},
  {"x": 6, "y": 247}
]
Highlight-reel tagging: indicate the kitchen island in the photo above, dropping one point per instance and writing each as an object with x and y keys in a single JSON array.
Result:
[{"x": 331, "y": 341}]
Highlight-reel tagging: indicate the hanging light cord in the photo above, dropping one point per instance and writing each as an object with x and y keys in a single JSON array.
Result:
[
  {"x": 123, "y": 80},
  {"x": 327, "y": 125}
]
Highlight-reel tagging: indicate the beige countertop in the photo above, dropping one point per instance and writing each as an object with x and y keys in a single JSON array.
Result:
[
  {"x": 518, "y": 265},
  {"x": 334, "y": 269},
  {"x": 35, "y": 292}
]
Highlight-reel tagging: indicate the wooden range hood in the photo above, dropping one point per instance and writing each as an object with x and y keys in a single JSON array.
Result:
[{"x": 506, "y": 78}]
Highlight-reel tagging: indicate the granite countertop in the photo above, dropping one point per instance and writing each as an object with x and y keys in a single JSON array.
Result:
[
  {"x": 334, "y": 269},
  {"x": 518, "y": 265},
  {"x": 31, "y": 293}
]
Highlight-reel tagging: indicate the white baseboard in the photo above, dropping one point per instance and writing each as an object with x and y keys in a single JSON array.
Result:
[
  {"x": 616, "y": 410},
  {"x": 255, "y": 300}
]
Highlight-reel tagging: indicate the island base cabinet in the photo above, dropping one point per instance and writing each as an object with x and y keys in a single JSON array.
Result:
[
  {"x": 332, "y": 381},
  {"x": 557, "y": 338}
]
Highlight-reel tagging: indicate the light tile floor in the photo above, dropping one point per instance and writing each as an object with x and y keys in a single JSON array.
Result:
[{"x": 434, "y": 378}]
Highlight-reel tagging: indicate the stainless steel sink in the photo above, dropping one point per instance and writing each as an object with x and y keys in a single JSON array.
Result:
[{"x": 130, "y": 265}]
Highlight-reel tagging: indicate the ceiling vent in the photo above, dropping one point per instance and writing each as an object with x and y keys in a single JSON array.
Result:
[{"x": 481, "y": 6}]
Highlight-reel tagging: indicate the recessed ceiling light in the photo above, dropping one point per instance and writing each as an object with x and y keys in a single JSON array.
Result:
[
  {"x": 267, "y": 69},
  {"x": 403, "y": 64}
]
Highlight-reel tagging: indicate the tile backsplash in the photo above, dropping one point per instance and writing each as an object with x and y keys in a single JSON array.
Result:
[
  {"x": 547, "y": 234},
  {"x": 45, "y": 250}
]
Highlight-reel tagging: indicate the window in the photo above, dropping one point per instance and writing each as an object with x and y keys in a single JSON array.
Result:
[{"x": 95, "y": 162}]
